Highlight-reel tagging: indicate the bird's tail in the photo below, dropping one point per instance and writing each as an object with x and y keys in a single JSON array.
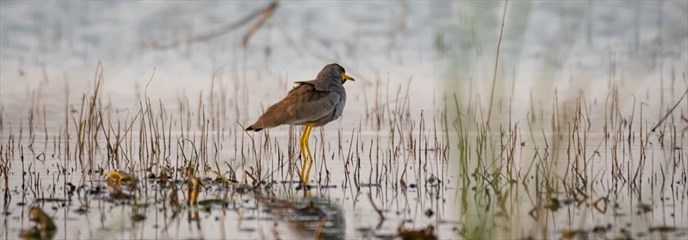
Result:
[{"x": 253, "y": 128}]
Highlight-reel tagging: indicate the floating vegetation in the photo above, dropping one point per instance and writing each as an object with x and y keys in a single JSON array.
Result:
[
  {"x": 194, "y": 186},
  {"x": 116, "y": 179},
  {"x": 44, "y": 229}
]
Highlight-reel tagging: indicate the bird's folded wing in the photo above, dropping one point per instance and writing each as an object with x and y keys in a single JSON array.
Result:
[
  {"x": 303, "y": 104},
  {"x": 313, "y": 106}
]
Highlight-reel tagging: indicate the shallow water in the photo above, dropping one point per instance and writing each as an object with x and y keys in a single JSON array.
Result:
[{"x": 545, "y": 168}]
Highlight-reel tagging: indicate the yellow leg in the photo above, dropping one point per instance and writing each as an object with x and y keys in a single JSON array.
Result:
[
  {"x": 308, "y": 150},
  {"x": 304, "y": 158}
]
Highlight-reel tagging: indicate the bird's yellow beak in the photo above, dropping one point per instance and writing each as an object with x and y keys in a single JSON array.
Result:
[{"x": 346, "y": 77}]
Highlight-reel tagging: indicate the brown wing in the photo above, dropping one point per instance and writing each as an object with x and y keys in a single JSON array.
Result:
[{"x": 303, "y": 104}]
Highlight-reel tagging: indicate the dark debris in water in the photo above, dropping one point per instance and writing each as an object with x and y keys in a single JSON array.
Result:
[
  {"x": 429, "y": 213},
  {"x": 600, "y": 230},
  {"x": 427, "y": 233},
  {"x": 118, "y": 195},
  {"x": 138, "y": 217},
  {"x": 209, "y": 202},
  {"x": 51, "y": 200},
  {"x": 663, "y": 229},
  {"x": 553, "y": 204},
  {"x": 644, "y": 208},
  {"x": 81, "y": 210},
  {"x": 311, "y": 210}
]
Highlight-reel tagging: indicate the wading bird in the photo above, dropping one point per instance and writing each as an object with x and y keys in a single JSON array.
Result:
[{"x": 311, "y": 104}]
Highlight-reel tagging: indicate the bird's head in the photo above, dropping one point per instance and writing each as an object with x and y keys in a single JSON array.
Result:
[{"x": 334, "y": 71}]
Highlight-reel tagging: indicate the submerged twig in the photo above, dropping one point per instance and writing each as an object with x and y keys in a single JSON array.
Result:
[
  {"x": 379, "y": 212},
  {"x": 670, "y": 111}
]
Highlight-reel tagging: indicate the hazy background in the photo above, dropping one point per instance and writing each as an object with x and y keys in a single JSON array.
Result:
[{"x": 423, "y": 52}]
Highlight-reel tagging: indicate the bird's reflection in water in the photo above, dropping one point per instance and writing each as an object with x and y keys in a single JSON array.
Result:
[{"x": 309, "y": 217}]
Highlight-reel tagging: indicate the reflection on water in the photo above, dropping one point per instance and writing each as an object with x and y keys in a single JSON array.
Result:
[
  {"x": 309, "y": 217},
  {"x": 125, "y": 120}
]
